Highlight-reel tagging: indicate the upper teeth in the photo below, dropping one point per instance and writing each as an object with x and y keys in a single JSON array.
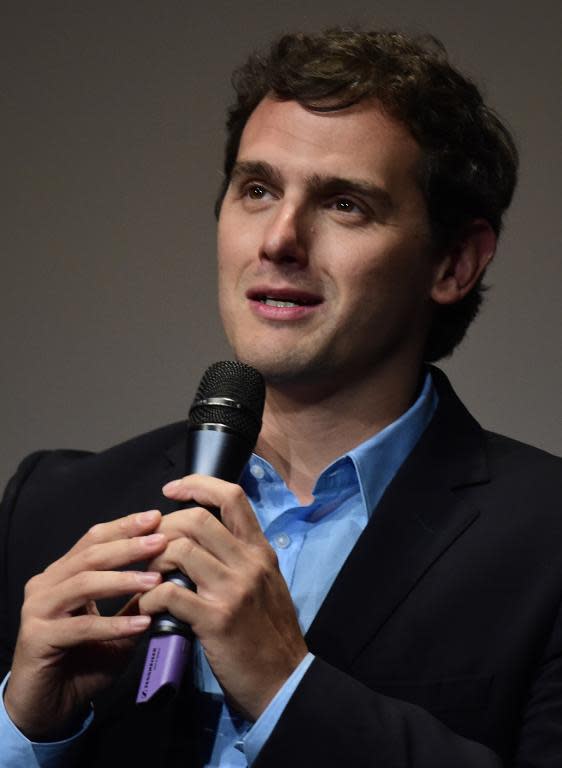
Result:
[{"x": 278, "y": 303}]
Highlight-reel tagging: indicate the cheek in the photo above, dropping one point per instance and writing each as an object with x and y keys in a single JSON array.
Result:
[
  {"x": 222, "y": 246},
  {"x": 237, "y": 246},
  {"x": 384, "y": 286},
  {"x": 226, "y": 282},
  {"x": 227, "y": 300},
  {"x": 228, "y": 260}
]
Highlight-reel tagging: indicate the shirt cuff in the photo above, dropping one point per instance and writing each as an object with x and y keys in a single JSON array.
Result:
[
  {"x": 17, "y": 751},
  {"x": 261, "y": 730}
]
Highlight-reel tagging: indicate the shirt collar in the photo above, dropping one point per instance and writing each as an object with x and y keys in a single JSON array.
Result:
[
  {"x": 379, "y": 458},
  {"x": 371, "y": 465}
]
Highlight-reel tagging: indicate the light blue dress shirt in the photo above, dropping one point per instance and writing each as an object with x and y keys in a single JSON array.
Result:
[{"x": 322, "y": 533}]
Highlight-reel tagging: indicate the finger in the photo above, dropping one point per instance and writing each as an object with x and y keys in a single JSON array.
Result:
[
  {"x": 235, "y": 510},
  {"x": 126, "y": 527},
  {"x": 185, "y": 605},
  {"x": 75, "y": 630},
  {"x": 202, "y": 527},
  {"x": 97, "y": 557},
  {"x": 197, "y": 563},
  {"x": 81, "y": 591}
]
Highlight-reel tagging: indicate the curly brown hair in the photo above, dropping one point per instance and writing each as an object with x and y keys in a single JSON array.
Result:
[{"x": 469, "y": 159}]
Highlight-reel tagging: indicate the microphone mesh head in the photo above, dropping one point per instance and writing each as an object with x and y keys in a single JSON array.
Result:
[{"x": 239, "y": 383}]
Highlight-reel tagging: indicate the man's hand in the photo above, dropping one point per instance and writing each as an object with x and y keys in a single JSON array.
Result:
[
  {"x": 66, "y": 651},
  {"x": 242, "y": 612}
]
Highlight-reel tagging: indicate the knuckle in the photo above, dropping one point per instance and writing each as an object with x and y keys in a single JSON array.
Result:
[
  {"x": 184, "y": 546},
  {"x": 81, "y": 582},
  {"x": 181, "y": 549},
  {"x": 31, "y": 629},
  {"x": 235, "y": 494},
  {"x": 269, "y": 557},
  {"x": 116, "y": 626},
  {"x": 135, "y": 547},
  {"x": 241, "y": 598},
  {"x": 85, "y": 625},
  {"x": 259, "y": 571},
  {"x": 129, "y": 580},
  {"x": 200, "y": 516},
  {"x": 31, "y": 586},
  {"x": 224, "y": 618},
  {"x": 167, "y": 591},
  {"x": 95, "y": 534},
  {"x": 27, "y": 615},
  {"x": 90, "y": 557}
]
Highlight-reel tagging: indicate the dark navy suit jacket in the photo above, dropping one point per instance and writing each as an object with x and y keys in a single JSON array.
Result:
[{"x": 438, "y": 646}]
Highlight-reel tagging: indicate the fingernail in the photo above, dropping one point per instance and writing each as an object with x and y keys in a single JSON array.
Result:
[
  {"x": 153, "y": 539},
  {"x": 147, "y": 517},
  {"x": 139, "y": 622},
  {"x": 148, "y": 579},
  {"x": 171, "y": 486}
]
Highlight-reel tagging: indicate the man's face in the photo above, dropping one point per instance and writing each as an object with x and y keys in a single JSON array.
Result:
[{"x": 323, "y": 245}]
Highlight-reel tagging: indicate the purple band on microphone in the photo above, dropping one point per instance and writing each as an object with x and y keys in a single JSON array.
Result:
[{"x": 164, "y": 665}]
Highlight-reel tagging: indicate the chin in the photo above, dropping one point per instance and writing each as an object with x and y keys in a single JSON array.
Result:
[
  {"x": 284, "y": 368},
  {"x": 273, "y": 370}
]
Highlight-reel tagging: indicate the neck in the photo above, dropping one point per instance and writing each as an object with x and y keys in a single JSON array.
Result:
[{"x": 305, "y": 428}]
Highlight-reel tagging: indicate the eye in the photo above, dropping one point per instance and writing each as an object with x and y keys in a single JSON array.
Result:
[
  {"x": 345, "y": 205},
  {"x": 348, "y": 206},
  {"x": 255, "y": 191}
]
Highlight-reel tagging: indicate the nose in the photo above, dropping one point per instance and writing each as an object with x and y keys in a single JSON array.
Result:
[{"x": 285, "y": 236}]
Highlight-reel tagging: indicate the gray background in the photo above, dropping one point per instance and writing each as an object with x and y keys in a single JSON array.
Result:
[{"x": 112, "y": 116}]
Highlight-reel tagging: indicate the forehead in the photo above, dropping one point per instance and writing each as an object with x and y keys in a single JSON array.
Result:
[{"x": 359, "y": 141}]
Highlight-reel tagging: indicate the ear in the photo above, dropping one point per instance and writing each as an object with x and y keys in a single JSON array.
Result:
[{"x": 464, "y": 263}]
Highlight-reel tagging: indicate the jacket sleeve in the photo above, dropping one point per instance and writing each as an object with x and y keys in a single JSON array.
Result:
[
  {"x": 540, "y": 744},
  {"x": 7, "y": 510},
  {"x": 333, "y": 720}
]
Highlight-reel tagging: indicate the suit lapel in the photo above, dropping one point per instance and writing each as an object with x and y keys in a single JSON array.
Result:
[
  {"x": 419, "y": 517},
  {"x": 175, "y": 468},
  {"x": 148, "y": 492}
]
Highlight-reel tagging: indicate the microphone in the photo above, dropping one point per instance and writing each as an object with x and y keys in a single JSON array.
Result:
[{"x": 223, "y": 425}]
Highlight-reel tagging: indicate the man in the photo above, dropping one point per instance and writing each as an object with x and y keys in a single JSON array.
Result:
[{"x": 385, "y": 587}]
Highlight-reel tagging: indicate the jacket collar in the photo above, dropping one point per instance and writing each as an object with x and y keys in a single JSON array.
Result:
[{"x": 419, "y": 517}]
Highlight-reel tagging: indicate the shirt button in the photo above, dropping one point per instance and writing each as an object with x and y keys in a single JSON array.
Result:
[
  {"x": 257, "y": 471},
  {"x": 281, "y": 540}
]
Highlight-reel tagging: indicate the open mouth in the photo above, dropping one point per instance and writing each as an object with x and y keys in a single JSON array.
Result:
[
  {"x": 285, "y": 298},
  {"x": 273, "y": 302}
]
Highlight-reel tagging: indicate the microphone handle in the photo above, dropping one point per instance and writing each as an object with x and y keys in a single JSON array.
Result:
[
  {"x": 213, "y": 450},
  {"x": 165, "y": 623},
  {"x": 218, "y": 452}
]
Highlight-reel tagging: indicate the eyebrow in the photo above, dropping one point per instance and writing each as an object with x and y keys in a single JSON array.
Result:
[
  {"x": 258, "y": 168},
  {"x": 325, "y": 185}
]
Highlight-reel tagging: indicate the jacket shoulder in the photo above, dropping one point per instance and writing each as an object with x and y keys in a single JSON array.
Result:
[
  {"x": 507, "y": 454},
  {"x": 58, "y": 494},
  {"x": 58, "y": 465}
]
